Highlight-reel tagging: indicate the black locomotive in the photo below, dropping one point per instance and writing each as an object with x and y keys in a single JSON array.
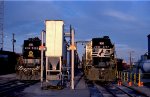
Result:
[
  {"x": 28, "y": 67},
  {"x": 99, "y": 60}
]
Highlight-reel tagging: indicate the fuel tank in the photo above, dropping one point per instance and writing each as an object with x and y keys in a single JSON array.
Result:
[{"x": 145, "y": 66}]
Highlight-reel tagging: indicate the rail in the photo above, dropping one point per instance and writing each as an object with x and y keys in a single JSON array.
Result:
[
  {"x": 8, "y": 88},
  {"x": 112, "y": 90}
]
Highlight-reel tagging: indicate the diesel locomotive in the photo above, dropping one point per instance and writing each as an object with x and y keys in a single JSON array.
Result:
[
  {"x": 99, "y": 60},
  {"x": 28, "y": 66}
]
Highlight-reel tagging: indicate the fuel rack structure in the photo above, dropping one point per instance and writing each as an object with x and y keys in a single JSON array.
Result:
[{"x": 54, "y": 65}]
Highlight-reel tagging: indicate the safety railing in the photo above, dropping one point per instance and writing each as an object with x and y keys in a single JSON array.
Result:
[{"x": 130, "y": 78}]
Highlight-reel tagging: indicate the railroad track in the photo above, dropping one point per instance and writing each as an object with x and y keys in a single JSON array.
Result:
[
  {"x": 7, "y": 82},
  {"x": 111, "y": 90},
  {"x": 147, "y": 84},
  {"x": 9, "y": 88},
  {"x": 122, "y": 91},
  {"x": 94, "y": 91},
  {"x": 137, "y": 91}
]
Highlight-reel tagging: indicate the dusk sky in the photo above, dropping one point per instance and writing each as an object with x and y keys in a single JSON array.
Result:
[{"x": 127, "y": 23}]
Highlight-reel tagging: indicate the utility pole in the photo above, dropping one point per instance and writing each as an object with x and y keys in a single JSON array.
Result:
[
  {"x": 13, "y": 41},
  {"x": 1, "y": 24}
]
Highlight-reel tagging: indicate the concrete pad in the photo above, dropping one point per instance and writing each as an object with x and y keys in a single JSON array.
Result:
[{"x": 81, "y": 90}]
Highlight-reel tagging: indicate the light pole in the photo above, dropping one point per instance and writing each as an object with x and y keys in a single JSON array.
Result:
[{"x": 131, "y": 58}]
